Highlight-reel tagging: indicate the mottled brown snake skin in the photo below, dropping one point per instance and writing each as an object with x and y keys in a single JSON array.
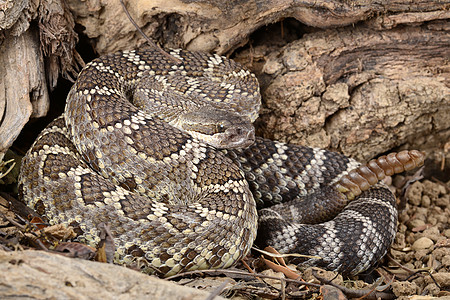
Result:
[{"x": 173, "y": 201}]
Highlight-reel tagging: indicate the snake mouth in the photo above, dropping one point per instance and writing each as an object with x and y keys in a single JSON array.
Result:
[{"x": 238, "y": 138}]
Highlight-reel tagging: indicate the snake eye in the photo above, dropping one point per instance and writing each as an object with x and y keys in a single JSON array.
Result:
[{"x": 220, "y": 128}]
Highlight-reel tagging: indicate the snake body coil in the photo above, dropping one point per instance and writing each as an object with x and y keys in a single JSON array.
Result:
[{"x": 174, "y": 202}]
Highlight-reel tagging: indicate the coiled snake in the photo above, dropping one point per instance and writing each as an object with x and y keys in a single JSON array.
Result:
[{"x": 152, "y": 171}]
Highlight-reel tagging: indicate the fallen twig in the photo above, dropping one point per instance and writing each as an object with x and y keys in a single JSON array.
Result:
[
  {"x": 218, "y": 290},
  {"x": 273, "y": 253},
  {"x": 240, "y": 273},
  {"x": 370, "y": 294}
]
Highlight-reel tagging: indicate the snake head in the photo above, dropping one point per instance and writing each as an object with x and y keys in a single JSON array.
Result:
[{"x": 219, "y": 128}]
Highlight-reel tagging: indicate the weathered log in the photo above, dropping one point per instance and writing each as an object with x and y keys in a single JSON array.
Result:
[
  {"x": 23, "y": 90},
  {"x": 40, "y": 275},
  {"x": 11, "y": 11},
  {"x": 360, "y": 91},
  {"x": 222, "y": 26},
  {"x": 29, "y": 55}
]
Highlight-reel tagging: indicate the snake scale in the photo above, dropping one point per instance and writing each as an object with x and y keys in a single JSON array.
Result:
[{"x": 166, "y": 155}]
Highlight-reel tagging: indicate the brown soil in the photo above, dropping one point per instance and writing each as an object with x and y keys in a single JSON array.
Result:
[{"x": 422, "y": 245}]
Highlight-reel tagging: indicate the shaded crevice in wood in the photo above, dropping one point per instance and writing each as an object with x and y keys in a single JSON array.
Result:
[{"x": 58, "y": 40}]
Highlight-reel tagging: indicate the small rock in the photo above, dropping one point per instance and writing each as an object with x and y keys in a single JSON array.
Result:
[
  {"x": 442, "y": 219},
  {"x": 447, "y": 233},
  {"x": 443, "y": 201},
  {"x": 432, "y": 189},
  {"x": 416, "y": 223},
  {"x": 398, "y": 181},
  {"x": 398, "y": 255},
  {"x": 421, "y": 213},
  {"x": 446, "y": 261},
  {"x": 441, "y": 278},
  {"x": 402, "y": 228},
  {"x": 400, "y": 242},
  {"x": 432, "y": 220},
  {"x": 404, "y": 288},
  {"x": 431, "y": 290},
  {"x": 329, "y": 275},
  {"x": 421, "y": 257},
  {"x": 432, "y": 233},
  {"x": 274, "y": 282},
  {"x": 426, "y": 201},
  {"x": 422, "y": 243},
  {"x": 440, "y": 253},
  {"x": 414, "y": 195},
  {"x": 409, "y": 265},
  {"x": 410, "y": 238}
]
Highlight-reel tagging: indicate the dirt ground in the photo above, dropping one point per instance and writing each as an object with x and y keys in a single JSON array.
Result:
[
  {"x": 418, "y": 263},
  {"x": 422, "y": 245}
]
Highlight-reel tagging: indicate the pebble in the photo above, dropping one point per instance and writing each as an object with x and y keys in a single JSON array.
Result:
[
  {"x": 446, "y": 261},
  {"x": 416, "y": 223},
  {"x": 404, "y": 288},
  {"x": 432, "y": 233},
  {"x": 422, "y": 243},
  {"x": 447, "y": 233},
  {"x": 426, "y": 201}
]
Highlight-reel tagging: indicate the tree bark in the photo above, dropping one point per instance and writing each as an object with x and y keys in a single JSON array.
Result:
[
  {"x": 23, "y": 90},
  {"x": 31, "y": 59},
  {"x": 360, "y": 91},
  {"x": 40, "y": 275},
  {"x": 222, "y": 26}
]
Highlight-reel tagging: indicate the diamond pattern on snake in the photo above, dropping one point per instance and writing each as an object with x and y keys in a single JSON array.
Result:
[{"x": 166, "y": 154}]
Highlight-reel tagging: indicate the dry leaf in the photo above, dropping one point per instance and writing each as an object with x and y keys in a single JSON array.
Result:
[{"x": 77, "y": 250}]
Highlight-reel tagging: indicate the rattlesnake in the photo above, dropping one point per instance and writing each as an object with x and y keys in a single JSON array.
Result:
[{"x": 173, "y": 201}]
